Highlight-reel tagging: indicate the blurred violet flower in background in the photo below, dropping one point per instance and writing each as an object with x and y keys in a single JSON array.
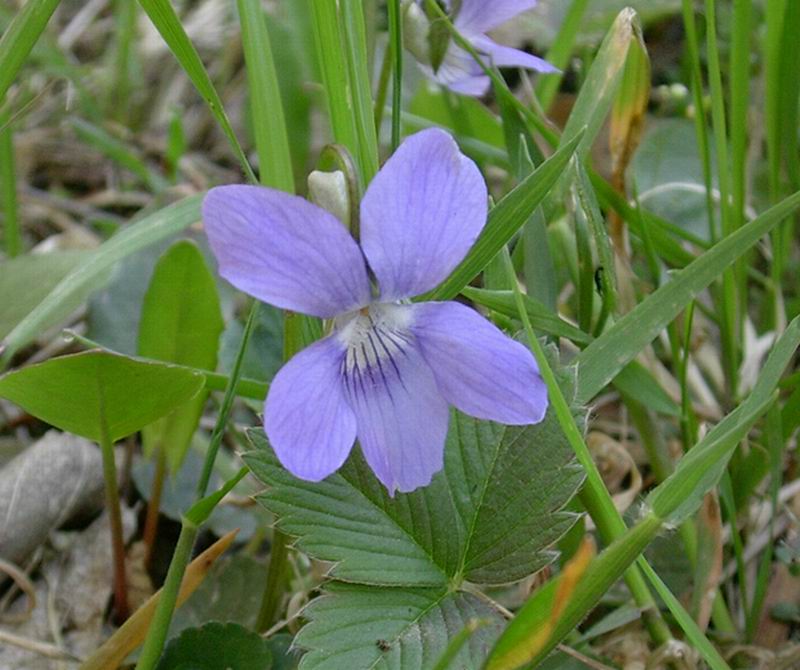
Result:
[
  {"x": 457, "y": 69},
  {"x": 389, "y": 369}
]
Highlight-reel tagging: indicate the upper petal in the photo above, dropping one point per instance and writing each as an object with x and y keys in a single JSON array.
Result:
[
  {"x": 421, "y": 214},
  {"x": 284, "y": 250},
  {"x": 459, "y": 72},
  {"x": 508, "y": 57},
  {"x": 306, "y": 417},
  {"x": 478, "y": 369},
  {"x": 480, "y": 16},
  {"x": 402, "y": 417}
]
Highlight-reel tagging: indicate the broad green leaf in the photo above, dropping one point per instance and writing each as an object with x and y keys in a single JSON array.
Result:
[
  {"x": 99, "y": 395},
  {"x": 505, "y": 219},
  {"x": 469, "y": 117},
  {"x": 490, "y": 516},
  {"x": 181, "y": 323},
  {"x": 681, "y": 493},
  {"x": 597, "y": 93},
  {"x": 354, "y": 626},
  {"x": 29, "y": 279},
  {"x": 20, "y": 36},
  {"x": 602, "y": 360},
  {"x": 217, "y": 646},
  {"x": 167, "y": 23},
  {"x": 64, "y": 297}
]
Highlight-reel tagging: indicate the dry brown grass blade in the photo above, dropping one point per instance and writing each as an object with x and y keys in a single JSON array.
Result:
[{"x": 132, "y": 633}]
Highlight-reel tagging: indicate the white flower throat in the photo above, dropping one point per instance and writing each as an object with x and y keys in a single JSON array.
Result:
[{"x": 374, "y": 337}]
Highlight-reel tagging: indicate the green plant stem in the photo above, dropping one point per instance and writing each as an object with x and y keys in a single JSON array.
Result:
[
  {"x": 118, "y": 102},
  {"x": 115, "y": 519},
  {"x": 396, "y": 42},
  {"x": 227, "y": 403},
  {"x": 728, "y": 302},
  {"x": 277, "y": 578},
  {"x": 594, "y": 495},
  {"x": 154, "y": 504},
  {"x": 157, "y": 633},
  {"x": 12, "y": 237},
  {"x": 383, "y": 87}
]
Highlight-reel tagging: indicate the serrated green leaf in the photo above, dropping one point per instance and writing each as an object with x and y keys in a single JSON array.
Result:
[
  {"x": 217, "y": 646},
  {"x": 181, "y": 323},
  {"x": 99, "y": 395},
  {"x": 489, "y": 517},
  {"x": 364, "y": 627}
]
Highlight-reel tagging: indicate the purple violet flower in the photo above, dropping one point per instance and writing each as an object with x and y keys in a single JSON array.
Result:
[
  {"x": 474, "y": 18},
  {"x": 389, "y": 369}
]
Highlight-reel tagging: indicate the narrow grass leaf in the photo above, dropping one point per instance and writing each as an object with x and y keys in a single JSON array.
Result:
[
  {"x": 68, "y": 293},
  {"x": 602, "y": 360},
  {"x": 597, "y": 93},
  {"x": 698, "y": 471},
  {"x": 20, "y": 37},
  {"x": 505, "y": 219},
  {"x": 693, "y": 633},
  {"x": 534, "y": 616},
  {"x": 269, "y": 125},
  {"x": 167, "y": 23}
]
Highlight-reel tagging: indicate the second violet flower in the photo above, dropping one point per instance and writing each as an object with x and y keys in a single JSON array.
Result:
[{"x": 389, "y": 369}]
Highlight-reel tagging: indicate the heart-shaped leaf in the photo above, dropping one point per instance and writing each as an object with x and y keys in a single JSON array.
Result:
[
  {"x": 100, "y": 395},
  {"x": 181, "y": 323}
]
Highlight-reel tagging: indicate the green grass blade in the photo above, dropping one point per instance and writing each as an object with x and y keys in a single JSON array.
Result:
[
  {"x": 167, "y": 23},
  {"x": 269, "y": 124},
  {"x": 560, "y": 51},
  {"x": 600, "y": 362},
  {"x": 12, "y": 237},
  {"x": 332, "y": 63},
  {"x": 19, "y": 38},
  {"x": 701, "y": 468},
  {"x": 119, "y": 152},
  {"x": 355, "y": 39},
  {"x": 78, "y": 283},
  {"x": 597, "y": 94},
  {"x": 685, "y": 621},
  {"x": 505, "y": 219}
]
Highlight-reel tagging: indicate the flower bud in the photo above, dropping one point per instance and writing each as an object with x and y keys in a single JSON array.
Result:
[
  {"x": 329, "y": 191},
  {"x": 416, "y": 31}
]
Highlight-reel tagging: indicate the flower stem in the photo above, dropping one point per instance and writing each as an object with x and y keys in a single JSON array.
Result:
[
  {"x": 157, "y": 633},
  {"x": 594, "y": 495},
  {"x": 115, "y": 518},
  {"x": 154, "y": 505}
]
